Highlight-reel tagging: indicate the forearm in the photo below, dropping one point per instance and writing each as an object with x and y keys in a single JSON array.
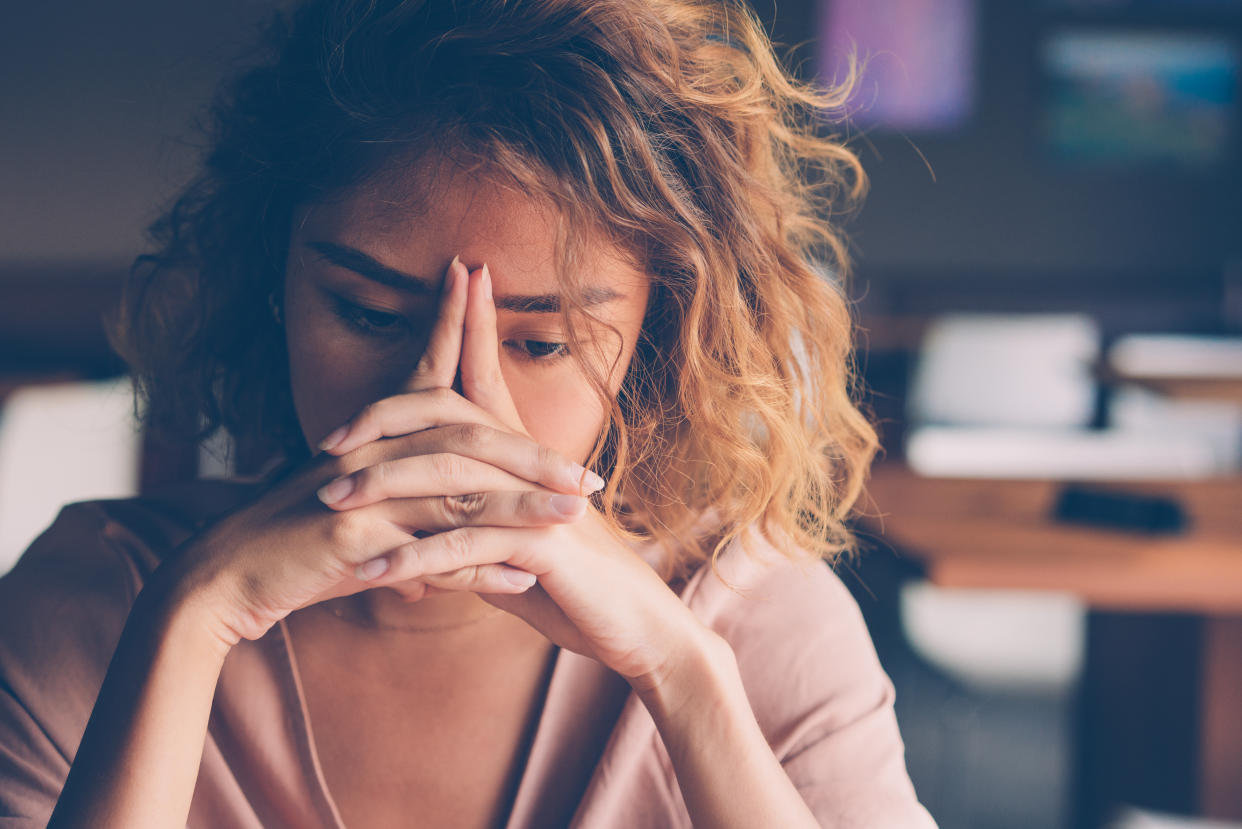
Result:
[
  {"x": 726, "y": 771},
  {"x": 139, "y": 756}
]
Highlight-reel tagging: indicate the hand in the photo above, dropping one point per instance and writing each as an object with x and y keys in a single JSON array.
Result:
[
  {"x": 457, "y": 464},
  {"x": 594, "y": 595}
]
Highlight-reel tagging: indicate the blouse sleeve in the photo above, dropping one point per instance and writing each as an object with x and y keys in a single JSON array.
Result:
[
  {"x": 819, "y": 694},
  {"x": 62, "y": 608}
]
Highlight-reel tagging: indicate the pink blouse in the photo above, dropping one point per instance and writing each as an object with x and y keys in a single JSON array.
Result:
[{"x": 596, "y": 760}]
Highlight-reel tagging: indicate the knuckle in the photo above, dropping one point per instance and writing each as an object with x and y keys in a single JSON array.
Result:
[
  {"x": 531, "y": 504},
  {"x": 456, "y": 549},
  {"x": 377, "y": 480},
  {"x": 330, "y": 468},
  {"x": 347, "y": 530},
  {"x": 460, "y": 510},
  {"x": 365, "y": 420},
  {"x": 403, "y": 561},
  {"x": 469, "y": 576},
  {"x": 447, "y": 466},
  {"x": 463, "y": 578},
  {"x": 472, "y": 435}
]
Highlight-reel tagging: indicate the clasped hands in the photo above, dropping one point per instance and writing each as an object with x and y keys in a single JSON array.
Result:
[{"x": 491, "y": 510}]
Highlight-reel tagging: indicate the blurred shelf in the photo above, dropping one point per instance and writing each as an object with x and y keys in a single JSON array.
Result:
[
  {"x": 51, "y": 319},
  {"x": 996, "y": 533},
  {"x": 1189, "y": 388}
]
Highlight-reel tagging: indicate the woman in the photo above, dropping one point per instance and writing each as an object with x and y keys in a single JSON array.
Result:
[{"x": 515, "y": 298}]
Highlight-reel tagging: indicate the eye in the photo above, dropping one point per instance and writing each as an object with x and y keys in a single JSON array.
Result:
[
  {"x": 368, "y": 320},
  {"x": 538, "y": 350}
]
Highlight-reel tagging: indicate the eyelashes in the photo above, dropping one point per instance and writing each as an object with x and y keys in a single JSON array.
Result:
[
  {"x": 538, "y": 351},
  {"x": 376, "y": 324},
  {"x": 368, "y": 320}
]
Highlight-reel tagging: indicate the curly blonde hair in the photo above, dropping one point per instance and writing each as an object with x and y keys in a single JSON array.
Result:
[{"x": 670, "y": 126}]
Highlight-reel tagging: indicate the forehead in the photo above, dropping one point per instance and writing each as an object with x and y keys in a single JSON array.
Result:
[{"x": 418, "y": 217}]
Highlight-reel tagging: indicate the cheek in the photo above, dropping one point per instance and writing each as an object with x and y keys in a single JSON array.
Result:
[
  {"x": 331, "y": 375},
  {"x": 560, "y": 407},
  {"x": 564, "y": 415}
]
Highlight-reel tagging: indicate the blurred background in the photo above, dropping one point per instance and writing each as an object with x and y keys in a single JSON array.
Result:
[{"x": 1049, "y": 283}]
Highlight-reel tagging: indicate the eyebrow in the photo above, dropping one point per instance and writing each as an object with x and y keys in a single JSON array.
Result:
[{"x": 365, "y": 266}]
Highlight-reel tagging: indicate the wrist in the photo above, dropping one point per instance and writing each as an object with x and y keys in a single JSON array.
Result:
[
  {"x": 180, "y": 609},
  {"x": 702, "y": 667}
]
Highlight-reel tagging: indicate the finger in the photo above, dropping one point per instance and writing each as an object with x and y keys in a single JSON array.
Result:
[
  {"x": 483, "y": 578},
  {"x": 419, "y": 476},
  {"x": 516, "y": 454},
  {"x": 403, "y": 414},
  {"x": 541, "y": 612},
  {"x": 492, "y": 509},
  {"x": 456, "y": 549},
  {"x": 438, "y": 366},
  {"x": 481, "y": 378}
]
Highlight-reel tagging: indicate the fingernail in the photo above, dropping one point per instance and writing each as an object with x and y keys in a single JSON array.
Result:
[
  {"x": 580, "y": 476},
  {"x": 334, "y": 439},
  {"x": 336, "y": 491},
  {"x": 593, "y": 482},
  {"x": 520, "y": 578},
  {"x": 567, "y": 505},
  {"x": 372, "y": 569},
  {"x": 487, "y": 282},
  {"x": 451, "y": 276}
]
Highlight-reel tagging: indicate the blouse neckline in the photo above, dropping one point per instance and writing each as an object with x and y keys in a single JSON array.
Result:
[{"x": 308, "y": 755}]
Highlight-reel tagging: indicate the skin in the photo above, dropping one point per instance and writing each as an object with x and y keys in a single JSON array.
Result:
[
  {"x": 460, "y": 463},
  {"x": 337, "y": 369}
]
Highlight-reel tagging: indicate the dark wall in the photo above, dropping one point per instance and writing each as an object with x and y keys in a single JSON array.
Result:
[
  {"x": 998, "y": 206},
  {"x": 96, "y": 100}
]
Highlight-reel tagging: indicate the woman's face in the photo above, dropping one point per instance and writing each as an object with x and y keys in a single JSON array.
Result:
[{"x": 361, "y": 292}]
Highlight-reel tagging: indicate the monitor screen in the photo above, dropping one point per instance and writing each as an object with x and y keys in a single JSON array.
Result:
[
  {"x": 1123, "y": 97},
  {"x": 919, "y": 58},
  {"x": 1157, "y": 5}
]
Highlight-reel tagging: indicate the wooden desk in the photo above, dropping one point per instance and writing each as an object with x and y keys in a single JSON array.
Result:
[{"x": 997, "y": 534}]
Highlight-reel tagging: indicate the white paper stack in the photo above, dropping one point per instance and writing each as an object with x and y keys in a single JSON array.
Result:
[
  {"x": 62, "y": 443},
  {"x": 1062, "y": 454},
  {"x": 1177, "y": 357}
]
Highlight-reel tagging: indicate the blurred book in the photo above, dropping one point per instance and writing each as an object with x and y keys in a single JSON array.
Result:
[
  {"x": 1078, "y": 454},
  {"x": 1214, "y": 422},
  {"x": 1030, "y": 370},
  {"x": 1014, "y": 395},
  {"x": 1157, "y": 356},
  {"x": 1142, "y": 819}
]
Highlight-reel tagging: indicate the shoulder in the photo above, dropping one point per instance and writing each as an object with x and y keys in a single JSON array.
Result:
[
  {"x": 124, "y": 538},
  {"x": 774, "y": 609},
  {"x": 813, "y": 679},
  {"x": 63, "y": 604},
  {"x": 62, "y": 609}
]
